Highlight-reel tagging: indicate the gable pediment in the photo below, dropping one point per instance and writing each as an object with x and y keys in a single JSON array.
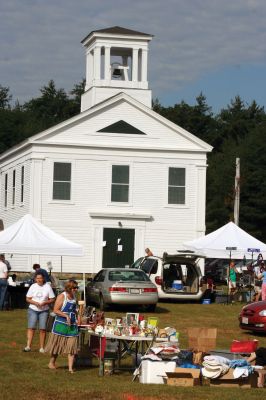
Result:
[
  {"x": 102, "y": 126},
  {"x": 122, "y": 127}
]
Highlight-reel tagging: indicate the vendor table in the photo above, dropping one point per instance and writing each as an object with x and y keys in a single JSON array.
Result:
[
  {"x": 126, "y": 344},
  {"x": 16, "y": 296}
]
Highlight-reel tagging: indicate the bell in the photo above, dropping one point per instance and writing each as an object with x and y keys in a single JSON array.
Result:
[{"x": 117, "y": 73}]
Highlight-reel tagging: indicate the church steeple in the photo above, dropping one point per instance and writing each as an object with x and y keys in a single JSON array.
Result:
[{"x": 116, "y": 61}]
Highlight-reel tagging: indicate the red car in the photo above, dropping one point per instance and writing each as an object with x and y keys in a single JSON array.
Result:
[{"x": 253, "y": 317}]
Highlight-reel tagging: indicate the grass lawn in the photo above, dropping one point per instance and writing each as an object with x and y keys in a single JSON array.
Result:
[{"x": 26, "y": 376}]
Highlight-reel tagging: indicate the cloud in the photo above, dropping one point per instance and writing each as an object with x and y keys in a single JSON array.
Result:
[{"x": 40, "y": 40}]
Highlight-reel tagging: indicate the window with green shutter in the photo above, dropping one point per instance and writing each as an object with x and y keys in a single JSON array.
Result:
[
  {"x": 62, "y": 181},
  {"x": 120, "y": 183},
  {"x": 176, "y": 185}
]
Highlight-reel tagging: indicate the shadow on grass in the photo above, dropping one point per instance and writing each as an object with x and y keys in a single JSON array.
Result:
[
  {"x": 127, "y": 308},
  {"x": 254, "y": 334}
]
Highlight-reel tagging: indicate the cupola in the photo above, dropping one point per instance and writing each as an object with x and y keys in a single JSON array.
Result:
[{"x": 116, "y": 61}]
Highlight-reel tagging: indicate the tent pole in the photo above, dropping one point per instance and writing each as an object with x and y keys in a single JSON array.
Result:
[
  {"x": 61, "y": 268},
  {"x": 84, "y": 289},
  {"x": 237, "y": 192},
  {"x": 228, "y": 274},
  {"x": 251, "y": 276}
]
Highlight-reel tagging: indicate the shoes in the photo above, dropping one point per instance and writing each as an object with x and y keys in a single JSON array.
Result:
[
  {"x": 41, "y": 350},
  {"x": 26, "y": 349}
]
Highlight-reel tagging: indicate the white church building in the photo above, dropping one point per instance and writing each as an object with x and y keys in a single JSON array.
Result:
[{"x": 116, "y": 178}]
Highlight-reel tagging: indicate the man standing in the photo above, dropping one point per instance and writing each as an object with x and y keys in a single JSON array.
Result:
[
  {"x": 38, "y": 270},
  {"x": 3, "y": 259},
  {"x": 3, "y": 283}
]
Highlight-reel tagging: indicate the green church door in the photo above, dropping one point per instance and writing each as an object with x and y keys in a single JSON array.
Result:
[{"x": 118, "y": 247}]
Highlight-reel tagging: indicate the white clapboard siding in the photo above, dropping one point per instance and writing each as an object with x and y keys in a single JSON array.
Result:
[
  {"x": 92, "y": 154},
  {"x": 13, "y": 213}
]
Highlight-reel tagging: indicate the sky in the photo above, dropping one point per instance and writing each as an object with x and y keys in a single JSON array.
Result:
[{"x": 217, "y": 47}]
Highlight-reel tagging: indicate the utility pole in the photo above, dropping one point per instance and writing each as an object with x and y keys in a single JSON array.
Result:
[{"x": 237, "y": 192}]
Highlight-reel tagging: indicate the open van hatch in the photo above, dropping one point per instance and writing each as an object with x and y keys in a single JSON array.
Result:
[{"x": 179, "y": 277}]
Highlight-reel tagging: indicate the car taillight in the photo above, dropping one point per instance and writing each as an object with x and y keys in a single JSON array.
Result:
[
  {"x": 158, "y": 280},
  {"x": 149, "y": 290},
  {"x": 118, "y": 289}
]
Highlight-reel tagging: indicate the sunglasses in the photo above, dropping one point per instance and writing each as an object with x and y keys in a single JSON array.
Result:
[{"x": 75, "y": 287}]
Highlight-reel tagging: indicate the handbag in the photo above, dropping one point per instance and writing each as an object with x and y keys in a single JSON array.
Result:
[
  {"x": 244, "y": 346},
  {"x": 50, "y": 321}
]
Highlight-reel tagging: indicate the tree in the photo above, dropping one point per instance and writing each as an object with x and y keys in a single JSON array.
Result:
[
  {"x": 5, "y": 97},
  {"x": 241, "y": 133},
  {"x": 76, "y": 93},
  {"x": 197, "y": 119},
  {"x": 49, "y": 108}
]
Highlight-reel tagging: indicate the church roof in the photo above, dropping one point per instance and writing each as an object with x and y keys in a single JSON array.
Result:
[{"x": 117, "y": 30}]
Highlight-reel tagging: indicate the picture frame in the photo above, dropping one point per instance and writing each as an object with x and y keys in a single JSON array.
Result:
[
  {"x": 152, "y": 322},
  {"x": 132, "y": 318}
]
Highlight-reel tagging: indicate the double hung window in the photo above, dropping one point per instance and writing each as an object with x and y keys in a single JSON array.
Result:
[
  {"x": 120, "y": 183},
  {"x": 6, "y": 190},
  {"x": 14, "y": 188},
  {"x": 22, "y": 185},
  {"x": 176, "y": 185},
  {"x": 62, "y": 181}
]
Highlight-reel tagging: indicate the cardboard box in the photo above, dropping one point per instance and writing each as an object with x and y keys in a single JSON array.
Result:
[
  {"x": 202, "y": 339},
  {"x": 228, "y": 380},
  {"x": 184, "y": 377}
]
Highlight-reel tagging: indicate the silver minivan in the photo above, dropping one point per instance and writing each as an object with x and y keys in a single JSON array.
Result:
[{"x": 177, "y": 276}]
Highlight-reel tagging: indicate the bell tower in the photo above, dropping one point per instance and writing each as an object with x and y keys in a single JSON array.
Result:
[{"x": 116, "y": 61}]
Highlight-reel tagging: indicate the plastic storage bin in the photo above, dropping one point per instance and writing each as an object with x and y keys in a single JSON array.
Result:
[{"x": 155, "y": 371}]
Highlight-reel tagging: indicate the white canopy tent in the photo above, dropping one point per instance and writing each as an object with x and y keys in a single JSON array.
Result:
[
  {"x": 218, "y": 243},
  {"x": 28, "y": 236}
]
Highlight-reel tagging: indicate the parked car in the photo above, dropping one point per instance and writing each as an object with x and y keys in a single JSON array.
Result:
[
  {"x": 176, "y": 276},
  {"x": 122, "y": 286},
  {"x": 253, "y": 317}
]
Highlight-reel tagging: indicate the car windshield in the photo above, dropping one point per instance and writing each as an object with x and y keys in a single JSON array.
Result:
[{"x": 126, "y": 276}]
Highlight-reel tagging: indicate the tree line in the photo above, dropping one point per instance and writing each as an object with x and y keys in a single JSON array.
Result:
[{"x": 238, "y": 130}]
